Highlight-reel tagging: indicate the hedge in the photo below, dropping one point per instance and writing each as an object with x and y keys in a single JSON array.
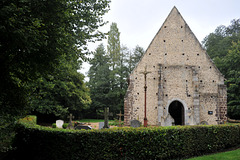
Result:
[{"x": 40, "y": 143}]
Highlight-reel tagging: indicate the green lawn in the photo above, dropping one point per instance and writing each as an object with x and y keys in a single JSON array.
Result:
[{"x": 230, "y": 155}]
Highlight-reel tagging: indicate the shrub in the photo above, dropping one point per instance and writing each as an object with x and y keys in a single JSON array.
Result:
[
  {"x": 39, "y": 142},
  {"x": 65, "y": 125},
  {"x": 54, "y": 125}
]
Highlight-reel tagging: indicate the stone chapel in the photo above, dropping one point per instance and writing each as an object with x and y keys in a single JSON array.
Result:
[{"x": 184, "y": 87}]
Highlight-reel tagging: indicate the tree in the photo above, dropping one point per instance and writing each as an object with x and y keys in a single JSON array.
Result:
[
  {"x": 60, "y": 92},
  {"x": 135, "y": 57},
  {"x": 33, "y": 37},
  {"x": 99, "y": 82},
  {"x": 232, "y": 63},
  {"x": 223, "y": 48},
  {"x": 113, "y": 46}
]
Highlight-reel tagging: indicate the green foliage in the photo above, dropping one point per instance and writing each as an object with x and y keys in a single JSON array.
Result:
[
  {"x": 223, "y": 47},
  {"x": 34, "y": 35},
  {"x": 54, "y": 125},
  {"x": 61, "y": 92},
  {"x": 99, "y": 83},
  {"x": 118, "y": 143}
]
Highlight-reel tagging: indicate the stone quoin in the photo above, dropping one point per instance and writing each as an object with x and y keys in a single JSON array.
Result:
[{"x": 184, "y": 87}]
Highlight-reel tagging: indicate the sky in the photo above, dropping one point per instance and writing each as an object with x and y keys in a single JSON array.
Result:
[{"x": 139, "y": 20}]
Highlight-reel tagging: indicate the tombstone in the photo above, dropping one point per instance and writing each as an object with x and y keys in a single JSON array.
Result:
[
  {"x": 59, "y": 123},
  {"x": 79, "y": 127},
  {"x": 70, "y": 126},
  {"x": 135, "y": 123},
  {"x": 120, "y": 121},
  {"x": 106, "y": 114},
  {"x": 101, "y": 124}
]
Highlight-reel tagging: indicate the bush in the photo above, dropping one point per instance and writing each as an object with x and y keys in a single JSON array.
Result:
[
  {"x": 65, "y": 125},
  {"x": 40, "y": 143},
  {"x": 54, "y": 125}
]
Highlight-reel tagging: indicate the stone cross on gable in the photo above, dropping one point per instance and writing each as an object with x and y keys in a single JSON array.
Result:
[
  {"x": 120, "y": 116},
  {"x": 71, "y": 117}
]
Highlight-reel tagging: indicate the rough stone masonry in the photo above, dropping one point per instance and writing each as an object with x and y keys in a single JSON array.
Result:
[{"x": 184, "y": 86}]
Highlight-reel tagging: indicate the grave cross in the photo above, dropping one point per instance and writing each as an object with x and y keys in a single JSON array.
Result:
[
  {"x": 70, "y": 126},
  {"x": 145, "y": 90},
  {"x": 106, "y": 114},
  {"x": 120, "y": 116}
]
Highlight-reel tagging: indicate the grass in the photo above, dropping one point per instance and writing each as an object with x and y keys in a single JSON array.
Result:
[
  {"x": 230, "y": 155},
  {"x": 94, "y": 120}
]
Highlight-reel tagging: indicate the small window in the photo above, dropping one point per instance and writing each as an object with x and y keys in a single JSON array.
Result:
[
  {"x": 181, "y": 26},
  {"x": 210, "y": 67},
  {"x": 164, "y": 40},
  {"x": 198, "y": 54},
  {"x": 149, "y": 54},
  {"x": 183, "y": 54},
  {"x": 182, "y": 40},
  {"x": 166, "y": 95},
  {"x": 165, "y": 26},
  {"x": 165, "y": 54}
]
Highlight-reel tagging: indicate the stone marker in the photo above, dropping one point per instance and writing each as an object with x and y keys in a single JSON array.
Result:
[
  {"x": 59, "y": 123},
  {"x": 120, "y": 121},
  {"x": 70, "y": 126},
  {"x": 135, "y": 123},
  {"x": 101, "y": 124},
  {"x": 79, "y": 127},
  {"x": 106, "y": 114}
]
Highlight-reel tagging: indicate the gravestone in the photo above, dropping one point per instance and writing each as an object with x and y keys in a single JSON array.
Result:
[
  {"x": 79, "y": 127},
  {"x": 120, "y": 121},
  {"x": 135, "y": 123},
  {"x": 106, "y": 114},
  {"x": 70, "y": 126},
  {"x": 59, "y": 123},
  {"x": 101, "y": 124}
]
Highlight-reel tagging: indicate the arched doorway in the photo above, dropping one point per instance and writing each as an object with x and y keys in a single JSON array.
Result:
[{"x": 176, "y": 110}]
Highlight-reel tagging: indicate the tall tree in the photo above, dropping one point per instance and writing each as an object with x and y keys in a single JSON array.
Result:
[
  {"x": 231, "y": 62},
  {"x": 33, "y": 36},
  {"x": 63, "y": 91},
  {"x": 99, "y": 82},
  {"x": 113, "y": 46},
  {"x": 135, "y": 57}
]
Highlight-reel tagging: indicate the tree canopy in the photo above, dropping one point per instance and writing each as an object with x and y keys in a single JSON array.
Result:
[{"x": 35, "y": 38}]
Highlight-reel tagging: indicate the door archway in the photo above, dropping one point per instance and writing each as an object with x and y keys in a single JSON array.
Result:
[{"x": 176, "y": 110}]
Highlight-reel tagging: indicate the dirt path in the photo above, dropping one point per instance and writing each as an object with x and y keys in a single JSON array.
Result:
[{"x": 95, "y": 125}]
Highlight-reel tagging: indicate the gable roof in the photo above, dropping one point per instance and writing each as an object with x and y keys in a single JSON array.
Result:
[{"x": 172, "y": 13}]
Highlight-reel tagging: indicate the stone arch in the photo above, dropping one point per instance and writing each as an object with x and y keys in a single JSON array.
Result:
[{"x": 184, "y": 107}]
